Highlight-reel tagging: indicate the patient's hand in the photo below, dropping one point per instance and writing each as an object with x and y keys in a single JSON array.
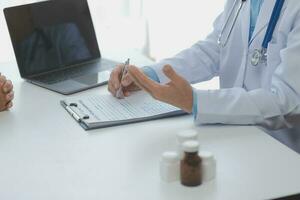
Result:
[{"x": 6, "y": 93}]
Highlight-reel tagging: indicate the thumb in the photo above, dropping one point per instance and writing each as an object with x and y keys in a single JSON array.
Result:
[
  {"x": 170, "y": 73},
  {"x": 126, "y": 80}
]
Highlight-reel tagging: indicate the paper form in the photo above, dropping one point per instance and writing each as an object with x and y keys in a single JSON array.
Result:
[{"x": 104, "y": 108}]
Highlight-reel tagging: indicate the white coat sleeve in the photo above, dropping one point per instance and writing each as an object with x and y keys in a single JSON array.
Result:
[
  {"x": 271, "y": 107},
  {"x": 197, "y": 63}
]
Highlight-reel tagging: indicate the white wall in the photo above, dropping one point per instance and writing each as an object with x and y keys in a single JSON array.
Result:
[
  {"x": 172, "y": 24},
  {"x": 176, "y": 24}
]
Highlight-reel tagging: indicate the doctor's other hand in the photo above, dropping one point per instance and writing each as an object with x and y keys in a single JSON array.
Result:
[
  {"x": 115, "y": 82},
  {"x": 178, "y": 92},
  {"x": 6, "y": 93}
]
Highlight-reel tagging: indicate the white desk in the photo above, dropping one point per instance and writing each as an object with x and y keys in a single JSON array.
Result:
[{"x": 45, "y": 154}]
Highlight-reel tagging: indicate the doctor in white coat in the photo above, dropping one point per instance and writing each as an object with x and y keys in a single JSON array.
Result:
[{"x": 252, "y": 93}]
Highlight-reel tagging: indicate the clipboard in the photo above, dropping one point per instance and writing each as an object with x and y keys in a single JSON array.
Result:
[
  {"x": 81, "y": 113},
  {"x": 73, "y": 114}
]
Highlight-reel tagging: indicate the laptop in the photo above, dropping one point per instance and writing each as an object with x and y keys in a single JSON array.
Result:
[{"x": 56, "y": 46}]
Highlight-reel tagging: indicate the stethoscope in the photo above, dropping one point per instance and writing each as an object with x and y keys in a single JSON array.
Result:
[
  {"x": 223, "y": 44},
  {"x": 259, "y": 55}
]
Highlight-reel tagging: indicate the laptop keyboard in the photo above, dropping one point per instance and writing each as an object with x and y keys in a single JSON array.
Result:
[
  {"x": 56, "y": 77},
  {"x": 66, "y": 74}
]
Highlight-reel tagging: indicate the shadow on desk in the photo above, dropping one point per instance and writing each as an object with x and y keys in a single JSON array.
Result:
[
  {"x": 289, "y": 137},
  {"x": 294, "y": 197}
]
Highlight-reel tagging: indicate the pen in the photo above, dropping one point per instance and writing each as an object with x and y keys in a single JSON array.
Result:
[{"x": 120, "y": 93}]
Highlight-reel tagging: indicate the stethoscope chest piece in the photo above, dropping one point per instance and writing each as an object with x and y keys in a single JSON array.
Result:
[
  {"x": 259, "y": 56},
  {"x": 256, "y": 57}
]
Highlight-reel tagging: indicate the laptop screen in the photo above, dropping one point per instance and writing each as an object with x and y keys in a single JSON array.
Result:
[{"x": 51, "y": 35}]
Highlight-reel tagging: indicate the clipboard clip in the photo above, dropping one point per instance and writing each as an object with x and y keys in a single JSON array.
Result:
[{"x": 74, "y": 114}]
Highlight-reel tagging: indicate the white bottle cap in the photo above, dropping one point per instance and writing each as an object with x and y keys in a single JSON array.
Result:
[
  {"x": 170, "y": 157},
  {"x": 206, "y": 156},
  {"x": 190, "y": 146},
  {"x": 185, "y": 135}
]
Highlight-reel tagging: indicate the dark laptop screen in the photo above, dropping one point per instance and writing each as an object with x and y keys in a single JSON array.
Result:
[{"x": 51, "y": 35}]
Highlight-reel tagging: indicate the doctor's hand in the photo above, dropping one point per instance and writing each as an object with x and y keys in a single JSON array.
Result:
[
  {"x": 178, "y": 92},
  {"x": 115, "y": 82},
  {"x": 6, "y": 93}
]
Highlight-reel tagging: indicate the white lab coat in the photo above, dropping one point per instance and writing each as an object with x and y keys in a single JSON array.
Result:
[{"x": 268, "y": 94}]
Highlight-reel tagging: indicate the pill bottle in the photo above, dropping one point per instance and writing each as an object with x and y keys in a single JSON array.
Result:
[
  {"x": 169, "y": 167},
  {"x": 209, "y": 166},
  {"x": 183, "y": 136},
  {"x": 190, "y": 165}
]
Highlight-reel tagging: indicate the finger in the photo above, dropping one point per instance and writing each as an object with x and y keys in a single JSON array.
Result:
[
  {"x": 7, "y": 87},
  {"x": 126, "y": 81},
  {"x": 9, "y": 105},
  {"x": 2, "y": 79},
  {"x": 114, "y": 80},
  {"x": 170, "y": 73},
  {"x": 142, "y": 80},
  {"x": 10, "y": 96},
  {"x": 131, "y": 88},
  {"x": 115, "y": 77},
  {"x": 126, "y": 93}
]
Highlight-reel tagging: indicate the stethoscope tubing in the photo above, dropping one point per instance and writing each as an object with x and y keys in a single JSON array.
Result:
[
  {"x": 227, "y": 22},
  {"x": 272, "y": 24},
  {"x": 259, "y": 55}
]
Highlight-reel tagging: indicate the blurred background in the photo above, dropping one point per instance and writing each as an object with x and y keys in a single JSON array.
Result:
[{"x": 156, "y": 28}]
